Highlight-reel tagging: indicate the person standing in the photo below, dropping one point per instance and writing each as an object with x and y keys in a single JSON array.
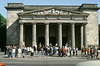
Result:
[
  {"x": 23, "y": 53},
  {"x": 39, "y": 51},
  {"x": 86, "y": 51},
  {"x": 88, "y": 56},
  {"x": 9, "y": 52},
  {"x": 60, "y": 51},
  {"x": 46, "y": 50},
  {"x": 51, "y": 51},
  {"x": 64, "y": 52},
  {"x": 91, "y": 53},
  {"x": 42, "y": 51},
  {"x": 34, "y": 50},
  {"x": 13, "y": 52},
  {"x": 73, "y": 51},
  {"x": 19, "y": 52},
  {"x": 6, "y": 50},
  {"x": 76, "y": 51},
  {"x": 70, "y": 51},
  {"x": 82, "y": 51},
  {"x": 97, "y": 54}
]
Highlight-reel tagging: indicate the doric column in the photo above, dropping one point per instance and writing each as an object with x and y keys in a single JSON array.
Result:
[
  {"x": 21, "y": 36},
  {"x": 73, "y": 34},
  {"x": 60, "y": 35},
  {"x": 81, "y": 35},
  {"x": 34, "y": 34},
  {"x": 47, "y": 34},
  {"x": 85, "y": 34}
]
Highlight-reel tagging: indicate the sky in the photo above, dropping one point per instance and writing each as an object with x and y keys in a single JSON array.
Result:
[{"x": 3, "y": 3}]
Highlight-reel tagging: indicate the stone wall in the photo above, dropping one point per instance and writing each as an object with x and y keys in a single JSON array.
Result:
[
  {"x": 92, "y": 27},
  {"x": 12, "y": 26}
]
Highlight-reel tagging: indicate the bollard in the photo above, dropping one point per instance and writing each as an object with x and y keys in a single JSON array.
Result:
[{"x": 2, "y": 64}]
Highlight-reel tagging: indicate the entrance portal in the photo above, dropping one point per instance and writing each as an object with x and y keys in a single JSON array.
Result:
[
  {"x": 64, "y": 41},
  {"x": 41, "y": 40},
  {"x": 28, "y": 35},
  {"x": 52, "y": 40}
]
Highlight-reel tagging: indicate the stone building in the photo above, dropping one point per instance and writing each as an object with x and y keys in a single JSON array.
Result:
[{"x": 45, "y": 24}]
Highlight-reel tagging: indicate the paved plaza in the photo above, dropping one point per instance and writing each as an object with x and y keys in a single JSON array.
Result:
[{"x": 46, "y": 61}]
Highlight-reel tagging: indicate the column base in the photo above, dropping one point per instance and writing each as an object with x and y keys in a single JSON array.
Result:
[{"x": 21, "y": 45}]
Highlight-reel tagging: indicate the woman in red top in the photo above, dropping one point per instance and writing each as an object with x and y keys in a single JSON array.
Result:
[
  {"x": 64, "y": 52},
  {"x": 88, "y": 54}
]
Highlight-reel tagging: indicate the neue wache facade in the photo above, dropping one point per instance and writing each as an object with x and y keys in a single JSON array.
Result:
[{"x": 34, "y": 24}]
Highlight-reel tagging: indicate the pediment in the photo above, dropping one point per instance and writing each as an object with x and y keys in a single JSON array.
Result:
[{"x": 53, "y": 11}]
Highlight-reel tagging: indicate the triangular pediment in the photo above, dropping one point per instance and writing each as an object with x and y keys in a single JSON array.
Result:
[{"x": 53, "y": 11}]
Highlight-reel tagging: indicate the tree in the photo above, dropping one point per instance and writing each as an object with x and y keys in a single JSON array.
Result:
[{"x": 2, "y": 32}]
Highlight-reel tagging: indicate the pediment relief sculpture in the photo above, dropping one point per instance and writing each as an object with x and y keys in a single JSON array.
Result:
[{"x": 53, "y": 11}]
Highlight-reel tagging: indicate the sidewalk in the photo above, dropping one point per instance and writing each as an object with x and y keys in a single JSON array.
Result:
[
  {"x": 36, "y": 57},
  {"x": 89, "y": 63}
]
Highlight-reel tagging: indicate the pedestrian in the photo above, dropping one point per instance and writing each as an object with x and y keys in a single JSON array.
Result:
[
  {"x": 76, "y": 51},
  {"x": 70, "y": 51},
  {"x": 9, "y": 52},
  {"x": 51, "y": 51},
  {"x": 91, "y": 51},
  {"x": 34, "y": 50},
  {"x": 16, "y": 53},
  {"x": 42, "y": 53},
  {"x": 23, "y": 53},
  {"x": 66, "y": 49},
  {"x": 46, "y": 50},
  {"x": 13, "y": 52},
  {"x": 86, "y": 51},
  {"x": 6, "y": 50},
  {"x": 82, "y": 51},
  {"x": 25, "y": 50},
  {"x": 97, "y": 54},
  {"x": 88, "y": 55},
  {"x": 73, "y": 51},
  {"x": 60, "y": 51},
  {"x": 39, "y": 51},
  {"x": 30, "y": 49},
  {"x": 19, "y": 52},
  {"x": 64, "y": 52}
]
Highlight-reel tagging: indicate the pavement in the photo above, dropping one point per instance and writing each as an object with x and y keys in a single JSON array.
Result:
[
  {"x": 89, "y": 63},
  {"x": 48, "y": 61}
]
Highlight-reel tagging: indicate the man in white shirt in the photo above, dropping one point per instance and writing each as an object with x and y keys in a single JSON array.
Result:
[
  {"x": 19, "y": 53},
  {"x": 13, "y": 52}
]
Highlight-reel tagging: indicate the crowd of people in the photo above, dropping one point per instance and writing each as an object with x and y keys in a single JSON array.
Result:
[
  {"x": 13, "y": 51},
  {"x": 90, "y": 52}
]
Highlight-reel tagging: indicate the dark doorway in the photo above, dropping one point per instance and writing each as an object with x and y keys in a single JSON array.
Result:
[
  {"x": 64, "y": 41},
  {"x": 41, "y": 40},
  {"x": 52, "y": 40},
  {"x": 28, "y": 35}
]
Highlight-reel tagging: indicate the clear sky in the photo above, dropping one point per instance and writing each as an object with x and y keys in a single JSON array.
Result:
[{"x": 3, "y": 3}]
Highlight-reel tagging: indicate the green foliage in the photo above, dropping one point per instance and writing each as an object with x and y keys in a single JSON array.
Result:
[
  {"x": 2, "y": 21},
  {"x": 2, "y": 32}
]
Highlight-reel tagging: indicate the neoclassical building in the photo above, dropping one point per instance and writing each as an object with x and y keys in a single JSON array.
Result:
[{"x": 33, "y": 24}]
